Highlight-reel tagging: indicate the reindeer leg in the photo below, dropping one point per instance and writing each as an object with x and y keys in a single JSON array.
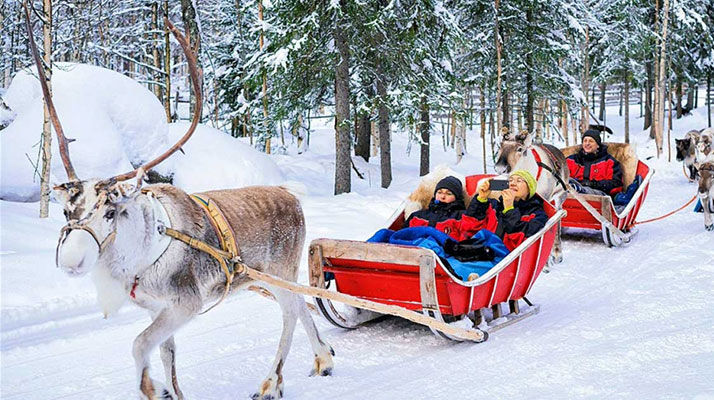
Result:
[
  {"x": 168, "y": 358},
  {"x": 323, "y": 351},
  {"x": 161, "y": 330},
  {"x": 272, "y": 386},
  {"x": 708, "y": 224}
]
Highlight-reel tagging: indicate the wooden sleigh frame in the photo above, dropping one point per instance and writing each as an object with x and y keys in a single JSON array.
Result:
[
  {"x": 588, "y": 211},
  {"x": 414, "y": 278}
]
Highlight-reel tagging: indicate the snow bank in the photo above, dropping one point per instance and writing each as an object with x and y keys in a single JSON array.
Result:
[
  {"x": 115, "y": 121},
  {"x": 214, "y": 160}
]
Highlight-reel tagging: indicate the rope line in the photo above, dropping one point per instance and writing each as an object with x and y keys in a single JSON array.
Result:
[{"x": 669, "y": 213}]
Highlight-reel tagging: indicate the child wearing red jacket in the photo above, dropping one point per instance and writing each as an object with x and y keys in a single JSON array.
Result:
[
  {"x": 516, "y": 215},
  {"x": 445, "y": 208}
]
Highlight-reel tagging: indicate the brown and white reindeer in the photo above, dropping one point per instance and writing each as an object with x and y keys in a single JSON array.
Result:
[
  {"x": 705, "y": 146},
  {"x": 546, "y": 163},
  {"x": 687, "y": 152},
  {"x": 706, "y": 193},
  {"x": 114, "y": 230}
]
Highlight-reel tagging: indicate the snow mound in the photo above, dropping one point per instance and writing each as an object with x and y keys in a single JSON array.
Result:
[
  {"x": 213, "y": 160},
  {"x": 115, "y": 121}
]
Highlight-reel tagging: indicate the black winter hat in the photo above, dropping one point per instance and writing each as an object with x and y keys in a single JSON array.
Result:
[
  {"x": 593, "y": 134},
  {"x": 453, "y": 184}
]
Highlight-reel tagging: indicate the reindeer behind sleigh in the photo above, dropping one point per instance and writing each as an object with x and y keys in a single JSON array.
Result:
[{"x": 114, "y": 229}]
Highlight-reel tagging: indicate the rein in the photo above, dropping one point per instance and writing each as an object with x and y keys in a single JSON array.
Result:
[
  {"x": 82, "y": 225},
  {"x": 542, "y": 166},
  {"x": 669, "y": 213}
]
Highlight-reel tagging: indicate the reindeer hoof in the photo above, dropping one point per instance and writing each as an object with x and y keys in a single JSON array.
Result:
[
  {"x": 323, "y": 365},
  {"x": 270, "y": 390},
  {"x": 709, "y": 227}
]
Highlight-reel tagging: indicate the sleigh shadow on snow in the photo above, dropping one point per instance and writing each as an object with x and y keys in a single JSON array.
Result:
[{"x": 415, "y": 278}]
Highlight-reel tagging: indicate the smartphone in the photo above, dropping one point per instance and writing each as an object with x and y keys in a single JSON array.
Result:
[{"x": 498, "y": 184}]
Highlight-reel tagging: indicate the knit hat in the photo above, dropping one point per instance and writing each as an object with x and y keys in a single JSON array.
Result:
[
  {"x": 453, "y": 184},
  {"x": 530, "y": 181},
  {"x": 593, "y": 134}
]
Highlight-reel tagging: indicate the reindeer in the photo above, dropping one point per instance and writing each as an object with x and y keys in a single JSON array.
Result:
[
  {"x": 546, "y": 163},
  {"x": 114, "y": 229},
  {"x": 687, "y": 152},
  {"x": 705, "y": 145},
  {"x": 706, "y": 193}
]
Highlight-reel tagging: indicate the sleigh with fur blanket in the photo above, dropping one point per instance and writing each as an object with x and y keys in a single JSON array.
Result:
[
  {"x": 414, "y": 278},
  {"x": 615, "y": 221}
]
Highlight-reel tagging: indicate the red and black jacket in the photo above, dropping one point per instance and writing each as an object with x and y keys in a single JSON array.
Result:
[
  {"x": 599, "y": 170},
  {"x": 442, "y": 216},
  {"x": 525, "y": 219}
]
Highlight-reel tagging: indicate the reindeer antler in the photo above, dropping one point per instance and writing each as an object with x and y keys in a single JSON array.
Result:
[
  {"x": 62, "y": 140},
  {"x": 195, "y": 80}
]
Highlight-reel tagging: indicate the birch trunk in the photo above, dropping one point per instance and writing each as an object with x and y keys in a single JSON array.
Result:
[
  {"x": 167, "y": 66},
  {"x": 497, "y": 38},
  {"x": 482, "y": 116},
  {"x": 584, "y": 117},
  {"x": 626, "y": 100},
  {"x": 46, "y": 125},
  {"x": 662, "y": 58}
]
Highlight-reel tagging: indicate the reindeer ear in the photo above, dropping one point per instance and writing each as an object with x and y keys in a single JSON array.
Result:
[{"x": 527, "y": 140}]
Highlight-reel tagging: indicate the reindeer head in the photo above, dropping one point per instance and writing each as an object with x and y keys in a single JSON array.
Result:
[
  {"x": 511, "y": 150},
  {"x": 704, "y": 146},
  {"x": 99, "y": 211},
  {"x": 706, "y": 179},
  {"x": 94, "y": 211},
  {"x": 682, "y": 148}
]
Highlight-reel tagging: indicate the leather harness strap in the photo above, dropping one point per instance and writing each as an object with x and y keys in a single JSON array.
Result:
[{"x": 542, "y": 166}]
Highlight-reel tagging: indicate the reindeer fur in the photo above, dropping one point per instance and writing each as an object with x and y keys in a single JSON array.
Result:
[
  {"x": 687, "y": 152},
  {"x": 270, "y": 231},
  {"x": 706, "y": 193}
]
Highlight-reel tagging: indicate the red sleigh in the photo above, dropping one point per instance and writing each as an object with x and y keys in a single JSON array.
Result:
[
  {"x": 414, "y": 278},
  {"x": 617, "y": 226}
]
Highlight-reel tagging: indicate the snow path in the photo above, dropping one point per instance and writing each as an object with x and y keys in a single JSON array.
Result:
[{"x": 629, "y": 322}]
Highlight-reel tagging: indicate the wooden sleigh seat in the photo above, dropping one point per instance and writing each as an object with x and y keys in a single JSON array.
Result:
[
  {"x": 624, "y": 218},
  {"x": 415, "y": 278}
]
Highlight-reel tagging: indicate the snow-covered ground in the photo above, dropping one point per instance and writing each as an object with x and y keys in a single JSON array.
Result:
[{"x": 629, "y": 322}]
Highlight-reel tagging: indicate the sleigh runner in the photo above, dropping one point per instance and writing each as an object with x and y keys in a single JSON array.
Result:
[
  {"x": 414, "y": 278},
  {"x": 589, "y": 211}
]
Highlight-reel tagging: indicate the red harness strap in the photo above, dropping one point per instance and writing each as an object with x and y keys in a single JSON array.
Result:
[{"x": 538, "y": 162}]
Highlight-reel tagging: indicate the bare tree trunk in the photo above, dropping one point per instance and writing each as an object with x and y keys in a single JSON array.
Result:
[
  {"x": 584, "y": 117},
  {"x": 709, "y": 98},
  {"x": 362, "y": 127},
  {"x": 167, "y": 66},
  {"x": 648, "y": 95},
  {"x": 620, "y": 98},
  {"x": 669, "y": 125},
  {"x": 497, "y": 38},
  {"x": 661, "y": 76},
  {"x": 188, "y": 15},
  {"x": 691, "y": 97},
  {"x": 482, "y": 116},
  {"x": 342, "y": 106},
  {"x": 46, "y": 125},
  {"x": 385, "y": 155},
  {"x": 424, "y": 128},
  {"x": 602, "y": 102},
  {"x": 156, "y": 57},
  {"x": 266, "y": 126},
  {"x": 564, "y": 121},
  {"x": 678, "y": 89},
  {"x": 627, "y": 106}
]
